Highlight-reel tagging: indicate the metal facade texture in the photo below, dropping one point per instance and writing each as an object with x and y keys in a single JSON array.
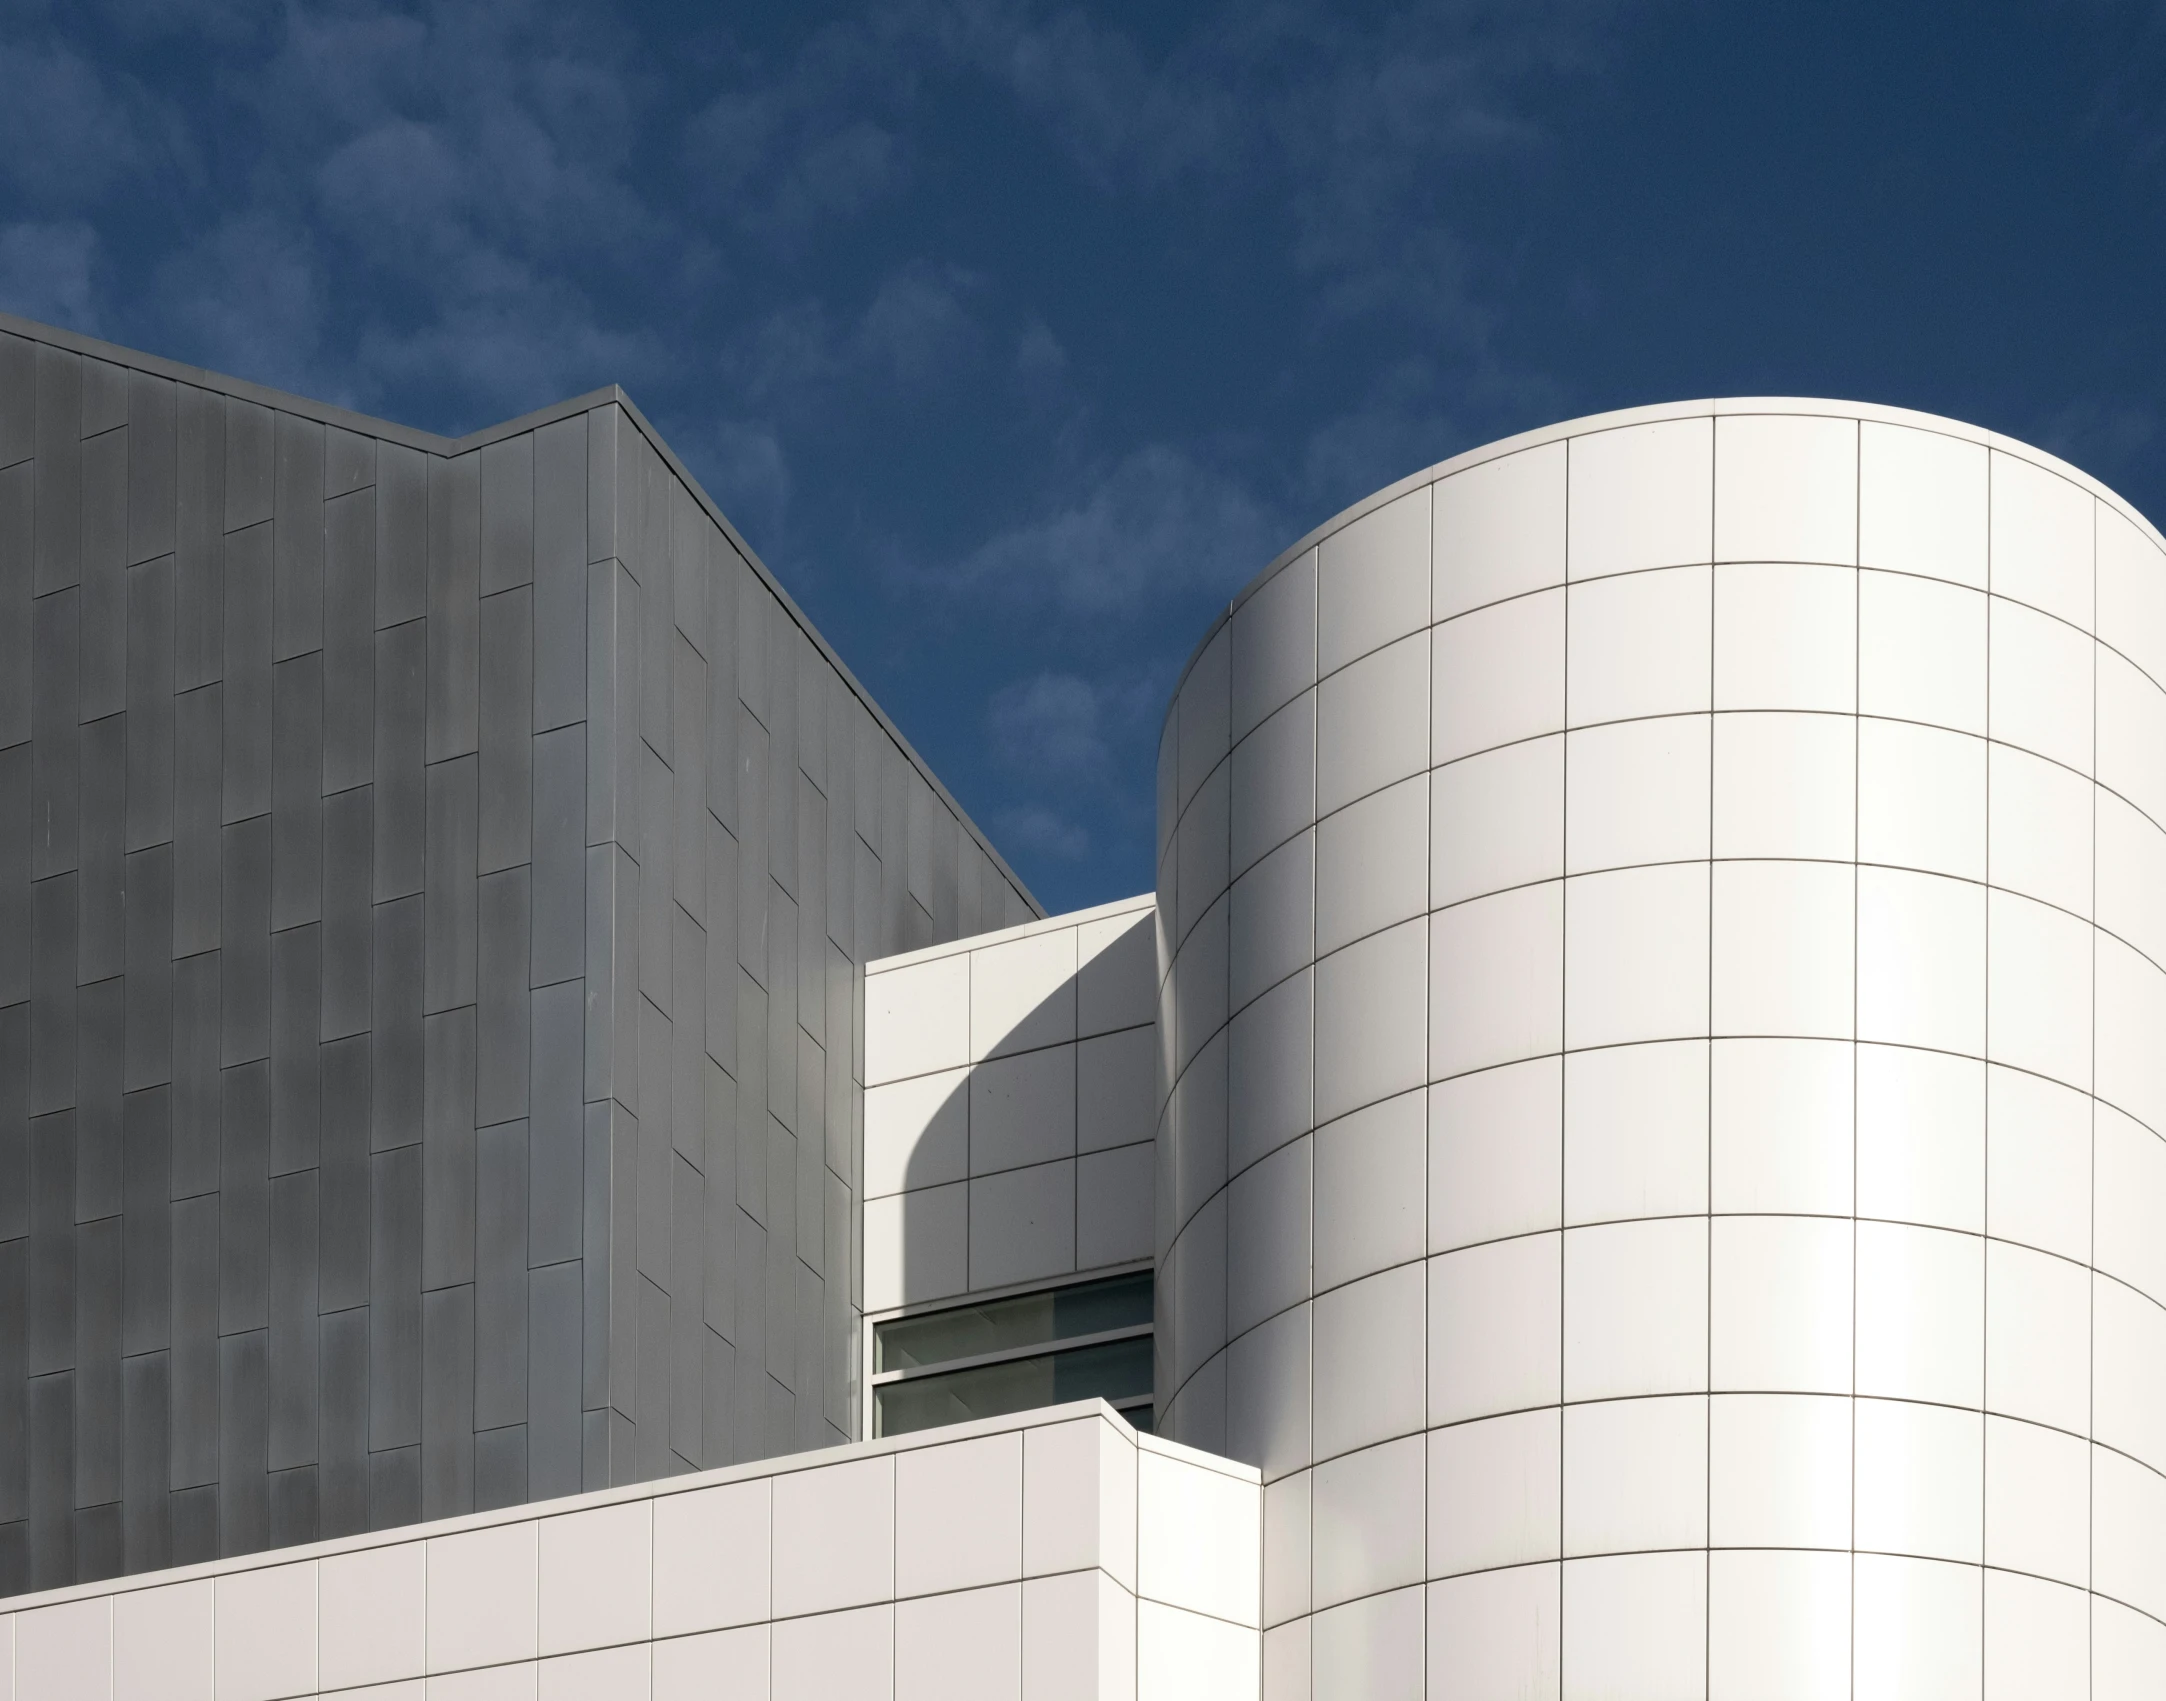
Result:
[{"x": 432, "y": 880}]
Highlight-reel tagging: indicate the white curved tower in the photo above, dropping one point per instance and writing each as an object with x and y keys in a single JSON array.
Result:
[{"x": 1663, "y": 1062}]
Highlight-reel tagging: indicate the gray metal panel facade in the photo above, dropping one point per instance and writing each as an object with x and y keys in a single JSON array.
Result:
[{"x": 432, "y": 882}]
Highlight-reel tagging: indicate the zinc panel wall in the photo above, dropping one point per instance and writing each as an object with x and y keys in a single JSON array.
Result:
[
  {"x": 332, "y": 763},
  {"x": 1660, "y": 1112}
]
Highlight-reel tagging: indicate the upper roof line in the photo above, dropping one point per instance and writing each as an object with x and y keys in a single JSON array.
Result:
[
  {"x": 1876, "y": 413},
  {"x": 286, "y": 401},
  {"x": 429, "y": 442}
]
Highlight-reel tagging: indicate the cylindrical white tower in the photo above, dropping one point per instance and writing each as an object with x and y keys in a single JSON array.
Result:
[{"x": 1664, "y": 1067}]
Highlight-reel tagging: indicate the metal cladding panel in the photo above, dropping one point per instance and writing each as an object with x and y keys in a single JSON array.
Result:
[{"x": 429, "y": 884}]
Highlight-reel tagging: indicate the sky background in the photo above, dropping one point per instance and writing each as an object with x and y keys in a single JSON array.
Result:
[{"x": 1017, "y": 337}]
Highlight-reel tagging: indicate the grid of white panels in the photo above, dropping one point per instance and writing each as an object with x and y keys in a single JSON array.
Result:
[
  {"x": 1010, "y": 1099},
  {"x": 1663, "y": 1046},
  {"x": 1055, "y": 1556}
]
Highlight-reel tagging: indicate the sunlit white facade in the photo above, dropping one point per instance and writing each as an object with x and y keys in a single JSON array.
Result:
[{"x": 1624, "y": 1157}]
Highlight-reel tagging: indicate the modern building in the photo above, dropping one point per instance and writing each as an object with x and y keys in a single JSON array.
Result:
[{"x": 542, "y": 1154}]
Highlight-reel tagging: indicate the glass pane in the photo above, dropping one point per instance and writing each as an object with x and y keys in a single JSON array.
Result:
[
  {"x": 1115, "y": 1370},
  {"x": 1002, "y": 1325}
]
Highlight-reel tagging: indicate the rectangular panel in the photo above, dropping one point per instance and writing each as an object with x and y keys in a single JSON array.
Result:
[
  {"x": 297, "y": 532},
  {"x": 560, "y": 862},
  {"x": 244, "y": 1200},
  {"x": 146, "y": 1522},
  {"x": 55, "y": 628},
  {"x": 722, "y": 969},
  {"x": 454, "y": 604},
  {"x": 105, "y": 573},
  {"x": 401, "y": 781},
  {"x": 97, "y": 1362},
  {"x": 148, "y": 1052},
  {"x": 507, "y": 745},
  {"x": 251, "y": 455},
  {"x": 15, "y": 874},
  {"x": 344, "y": 1477},
  {"x": 244, "y": 1494},
  {"x": 349, "y": 640},
  {"x": 689, "y": 777},
  {"x": 18, "y": 401},
  {"x": 297, "y": 793},
  {"x": 560, "y": 573},
  {"x": 500, "y": 1276},
  {"x": 343, "y": 1197},
  {"x": 402, "y": 534},
  {"x": 718, "y": 1276},
  {"x": 447, "y": 1190},
  {"x": 395, "y": 1299},
  {"x": 553, "y": 1377},
  {"x": 507, "y": 513},
  {"x": 194, "y": 1458},
  {"x": 557, "y": 1123},
  {"x": 292, "y": 1344},
  {"x": 395, "y": 1488},
  {"x": 347, "y": 941},
  {"x": 197, "y": 1111},
  {"x": 349, "y": 461},
  {"x": 450, "y": 914},
  {"x": 652, "y": 1442},
  {"x": 245, "y": 941},
  {"x": 724, "y": 571},
  {"x": 296, "y": 1073},
  {"x": 52, "y": 1480},
  {"x": 248, "y": 703},
  {"x": 198, "y": 742},
  {"x": 688, "y": 1035},
  {"x": 199, "y": 600},
  {"x": 102, "y": 941},
  {"x": 153, "y": 466},
  {"x": 17, "y": 520},
  {"x": 97, "y": 1111},
  {"x": 60, "y": 467},
  {"x": 395, "y": 1039},
  {"x": 105, "y": 396},
  {"x": 501, "y": 1016},
  {"x": 595, "y": 1257},
  {"x": 687, "y": 1312},
  {"x": 14, "y": 1125},
  {"x": 604, "y": 426},
  {"x": 52, "y": 993},
  {"x": 150, "y": 703},
  {"x": 447, "y": 1402}
]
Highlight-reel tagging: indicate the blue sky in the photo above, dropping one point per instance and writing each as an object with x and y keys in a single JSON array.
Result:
[{"x": 1016, "y": 337}]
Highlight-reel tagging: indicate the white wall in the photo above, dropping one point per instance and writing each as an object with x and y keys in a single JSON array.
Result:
[
  {"x": 1010, "y": 1099},
  {"x": 1054, "y": 1556},
  {"x": 1665, "y": 1050}
]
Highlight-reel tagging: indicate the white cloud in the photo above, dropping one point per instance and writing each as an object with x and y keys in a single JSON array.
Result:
[{"x": 1156, "y": 524}]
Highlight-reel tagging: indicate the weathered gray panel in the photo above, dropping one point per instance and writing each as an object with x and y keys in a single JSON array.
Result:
[
  {"x": 454, "y": 606},
  {"x": 245, "y": 936},
  {"x": 199, "y": 602},
  {"x": 560, "y": 573},
  {"x": 105, "y": 574},
  {"x": 347, "y": 913},
  {"x": 554, "y": 1305},
  {"x": 396, "y": 1080},
  {"x": 297, "y": 529},
  {"x": 244, "y": 1201},
  {"x": 394, "y": 1302},
  {"x": 450, "y": 915},
  {"x": 55, "y": 627},
  {"x": 349, "y": 641},
  {"x": 557, "y": 1121},
  {"x": 343, "y": 1197},
  {"x": 447, "y": 1402},
  {"x": 150, "y": 703},
  {"x": 291, "y": 1355},
  {"x": 447, "y": 1164},
  {"x": 248, "y": 698},
  {"x": 560, "y": 860},
  {"x": 296, "y": 1073},
  {"x": 401, "y": 780},
  {"x": 507, "y": 513},
  {"x": 500, "y": 1276},
  {"x": 101, "y": 944},
  {"x": 507, "y": 744},
  {"x": 297, "y": 793},
  {"x": 59, "y": 468},
  {"x": 501, "y": 1013}
]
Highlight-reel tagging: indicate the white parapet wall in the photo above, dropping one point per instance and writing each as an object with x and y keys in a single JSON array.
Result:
[{"x": 1052, "y": 1556}]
